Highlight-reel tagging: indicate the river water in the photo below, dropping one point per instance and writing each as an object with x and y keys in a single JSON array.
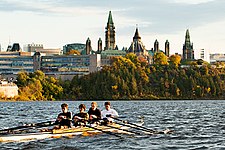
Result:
[{"x": 196, "y": 125}]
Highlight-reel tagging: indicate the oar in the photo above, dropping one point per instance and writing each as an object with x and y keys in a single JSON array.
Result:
[
  {"x": 41, "y": 124},
  {"x": 132, "y": 132},
  {"x": 107, "y": 132},
  {"x": 133, "y": 125}
]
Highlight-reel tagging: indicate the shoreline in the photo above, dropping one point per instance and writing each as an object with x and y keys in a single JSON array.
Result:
[{"x": 113, "y": 100}]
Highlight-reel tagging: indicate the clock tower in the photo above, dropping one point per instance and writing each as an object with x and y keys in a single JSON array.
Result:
[{"x": 110, "y": 34}]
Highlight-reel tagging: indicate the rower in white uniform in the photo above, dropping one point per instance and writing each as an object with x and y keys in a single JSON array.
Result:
[{"x": 108, "y": 114}]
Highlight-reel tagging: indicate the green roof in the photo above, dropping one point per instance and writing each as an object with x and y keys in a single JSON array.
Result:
[{"x": 110, "y": 20}]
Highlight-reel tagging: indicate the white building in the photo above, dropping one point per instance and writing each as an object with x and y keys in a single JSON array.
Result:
[
  {"x": 40, "y": 48},
  {"x": 8, "y": 90},
  {"x": 217, "y": 58}
]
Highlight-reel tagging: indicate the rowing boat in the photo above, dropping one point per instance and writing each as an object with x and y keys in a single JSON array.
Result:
[{"x": 57, "y": 133}]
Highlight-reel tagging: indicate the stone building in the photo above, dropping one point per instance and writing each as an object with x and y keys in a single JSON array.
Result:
[
  {"x": 110, "y": 42},
  {"x": 188, "y": 51}
]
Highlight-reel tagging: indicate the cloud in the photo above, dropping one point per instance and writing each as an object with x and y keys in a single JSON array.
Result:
[
  {"x": 161, "y": 16},
  {"x": 154, "y": 17},
  {"x": 192, "y": 1},
  {"x": 167, "y": 17}
]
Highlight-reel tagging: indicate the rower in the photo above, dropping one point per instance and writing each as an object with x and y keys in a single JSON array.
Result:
[
  {"x": 94, "y": 113},
  {"x": 64, "y": 119},
  {"x": 108, "y": 114},
  {"x": 82, "y": 117}
]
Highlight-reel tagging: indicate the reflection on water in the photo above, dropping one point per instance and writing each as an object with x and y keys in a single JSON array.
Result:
[{"x": 197, "y": 125}]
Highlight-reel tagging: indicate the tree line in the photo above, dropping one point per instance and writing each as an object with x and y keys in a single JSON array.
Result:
[{"x": 130, "y": 77}]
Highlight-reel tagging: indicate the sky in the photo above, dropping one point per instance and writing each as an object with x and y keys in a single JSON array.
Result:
[{"x": 55, "y": 23}]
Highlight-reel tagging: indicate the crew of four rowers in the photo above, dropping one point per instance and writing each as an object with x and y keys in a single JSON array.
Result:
[{"x": 93, "y": 116}]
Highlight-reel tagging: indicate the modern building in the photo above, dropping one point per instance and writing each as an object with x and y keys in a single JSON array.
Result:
[
  {"x": 66, "y": 66},
  {"x": 74, "y": 46},
  {"x": 217, "y": 58},
  {"x": 11, "y": 63},
  {"x": 188, "y": 51},
  {"x": 203, "y": 54},
  {"x": 33, "y": 47},
  {"x": 39, "y": 48},
  {"x": 106, "y": 56},
  {"x": 14, "y": 48},
  {"x": 51, "y": 51},
  {"x": 14, "y": 62}
]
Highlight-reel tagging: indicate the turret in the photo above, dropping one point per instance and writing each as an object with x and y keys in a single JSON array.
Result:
[
  {"x": 88, "y": 46},
  {"x": 167, "y": 48},
  {"x": 99, "y": 45},
  {"x": 156, "y": 46}
]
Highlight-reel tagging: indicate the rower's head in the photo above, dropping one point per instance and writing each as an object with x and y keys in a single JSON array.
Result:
[
  {"x": 94, "y": 105},
  {"x": 64, "y": 107},
  {"x": 82, "y": 107},
  {"x": 107, "y": 105}
]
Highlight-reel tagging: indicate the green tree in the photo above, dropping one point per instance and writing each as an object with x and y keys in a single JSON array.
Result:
[
  {"x": 160, "y": 59},
  {"x": 22, "y": 79}
]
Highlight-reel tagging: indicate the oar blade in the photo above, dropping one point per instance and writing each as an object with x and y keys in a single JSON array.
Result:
[
  {"x": 28, "y": 126},
  {"x": 103, "y": 131}
]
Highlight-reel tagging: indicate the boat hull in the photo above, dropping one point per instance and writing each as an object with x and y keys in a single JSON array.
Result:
[{"x": 58, "y": 133}]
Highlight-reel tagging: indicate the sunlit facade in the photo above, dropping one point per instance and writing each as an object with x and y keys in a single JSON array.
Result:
[
  {"x": 14, "y": 62},
  {"x": 11, "y": 63}
]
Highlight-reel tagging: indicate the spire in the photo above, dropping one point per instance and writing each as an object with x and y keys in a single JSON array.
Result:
[
  {"x": 110, "y": 34},
  {"x": 136, "y": 35},
  {"x": 187, "y": 33},
  {"x": 187, "y": 37},
  {"x": 188, "y": 51},
  {"x": 110, "y": 20}
]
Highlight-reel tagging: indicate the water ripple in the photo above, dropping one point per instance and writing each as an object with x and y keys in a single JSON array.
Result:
[{"x": 196, "y": 124}]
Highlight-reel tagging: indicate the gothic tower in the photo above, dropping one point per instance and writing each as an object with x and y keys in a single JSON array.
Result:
[
  {"x": 156, "y": 46},
  {"x": 167, "y": 48},
  {"x": 99, "y": 45},
  {"x": 110, "y": 34},
  {"x": 137, "y": 37},
  {"x": 88, "y": 46},
  {"x": 137, "y": 46},
  {"x": 188, "y": 52}
]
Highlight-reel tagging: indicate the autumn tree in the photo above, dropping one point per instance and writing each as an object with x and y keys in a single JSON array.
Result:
[
  {"x": 73, "y": 52},
  {"x": 37, "y": 86},
  {"x": 175, "y": 60},
  {"x": 160, "y": 59}
]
